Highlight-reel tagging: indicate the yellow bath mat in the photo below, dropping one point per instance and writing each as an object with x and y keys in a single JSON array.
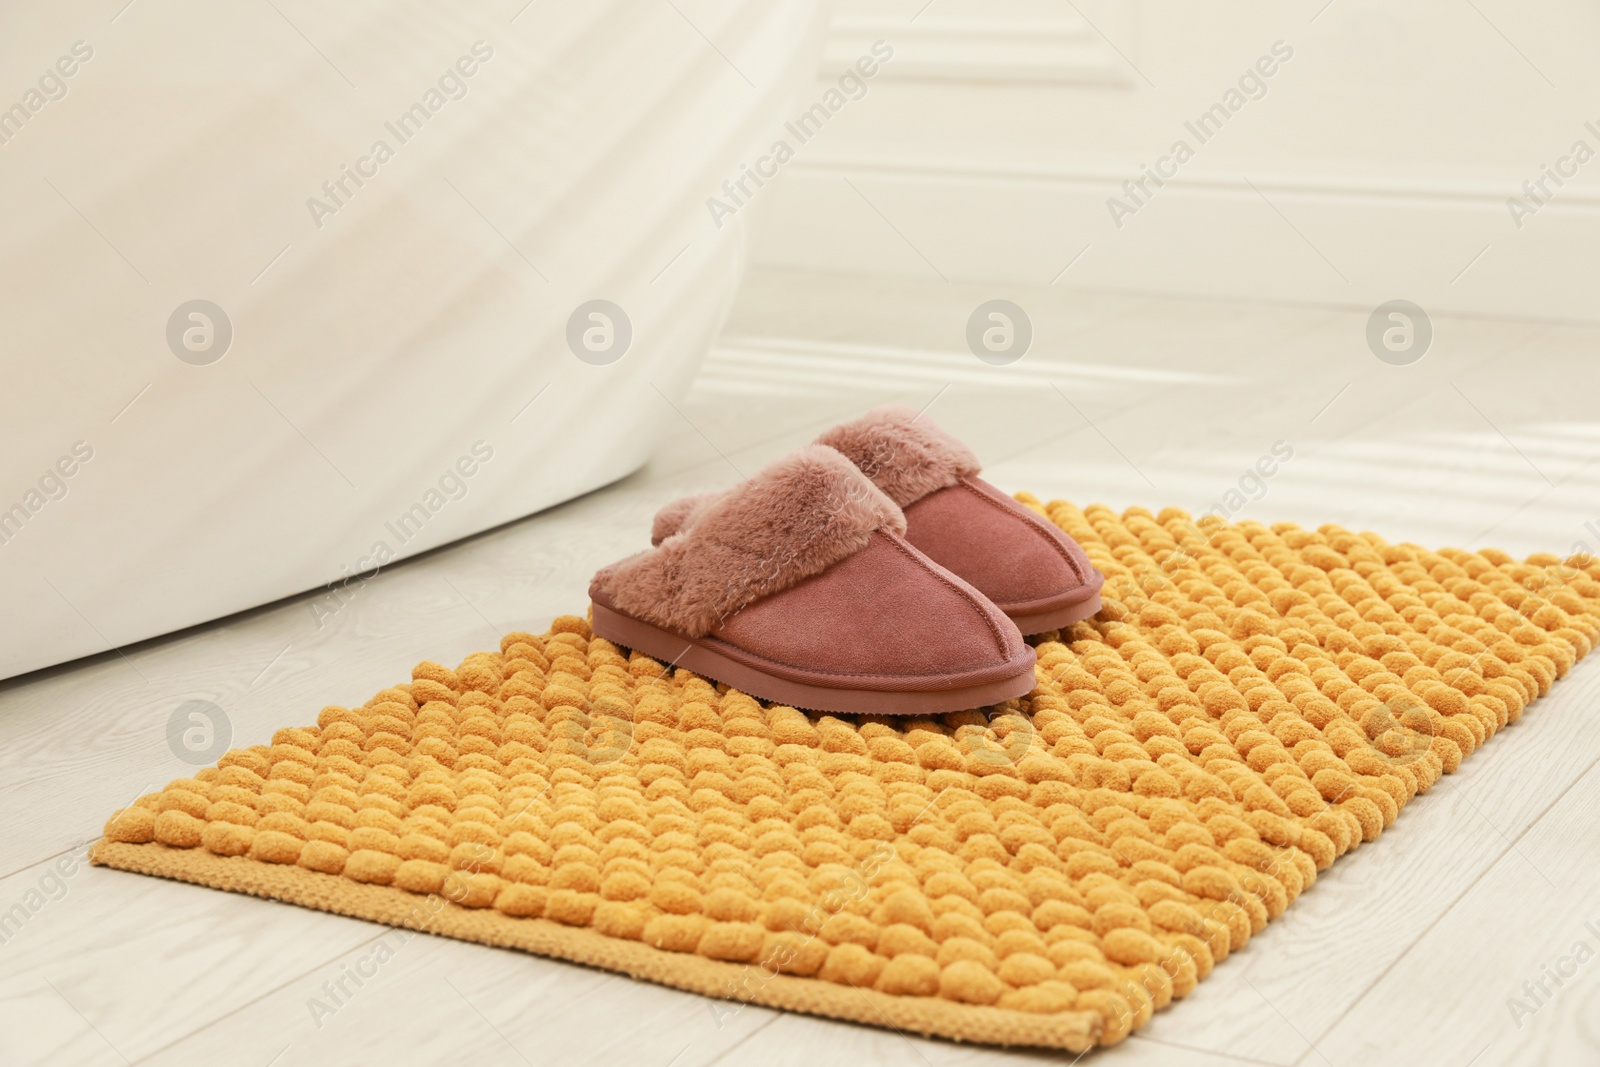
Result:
[{"x": 1252, "y": 703}]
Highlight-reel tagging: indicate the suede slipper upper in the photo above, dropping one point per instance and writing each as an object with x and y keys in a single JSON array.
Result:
[
  {"x": 1028, "y": 568},
  {"x": 800, "y": 587}
]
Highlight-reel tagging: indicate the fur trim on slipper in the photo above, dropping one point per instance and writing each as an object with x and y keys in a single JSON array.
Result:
[
  {"x": 680, "y": 514},
  {"x": 907, "y": 456},
  {"x": 794, "y": 519}
]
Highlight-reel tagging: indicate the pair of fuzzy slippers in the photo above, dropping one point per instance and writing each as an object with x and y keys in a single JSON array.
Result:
[{"x": 872, "y": 572}]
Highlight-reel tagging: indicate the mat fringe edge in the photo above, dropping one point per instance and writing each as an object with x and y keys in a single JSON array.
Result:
[{"x": 1074, "y": 1031}]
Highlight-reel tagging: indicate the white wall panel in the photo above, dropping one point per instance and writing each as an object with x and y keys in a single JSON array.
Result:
[{"x": 1376, "y": 160}]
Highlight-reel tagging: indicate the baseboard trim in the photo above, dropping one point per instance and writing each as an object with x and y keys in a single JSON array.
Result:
[
  {"x": 1305, "y": 237},
  {"x": 1109, "y": 177}
]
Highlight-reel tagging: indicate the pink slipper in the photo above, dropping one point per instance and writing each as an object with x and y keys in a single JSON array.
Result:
[
  {"x": 1023, "y": 564},
  {"x": 800, "y": 587}
]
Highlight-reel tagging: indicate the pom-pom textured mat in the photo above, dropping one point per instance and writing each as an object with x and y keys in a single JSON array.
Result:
[{"x": 1251, "y": 703}]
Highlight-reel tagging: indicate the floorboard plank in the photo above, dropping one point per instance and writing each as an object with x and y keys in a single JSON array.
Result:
[
  {"x": 1459, "y": 991},
  {"x": 1295, "y": 980}
]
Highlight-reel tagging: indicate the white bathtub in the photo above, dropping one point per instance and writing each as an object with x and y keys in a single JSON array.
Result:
[{"x": 390, "y": 330}]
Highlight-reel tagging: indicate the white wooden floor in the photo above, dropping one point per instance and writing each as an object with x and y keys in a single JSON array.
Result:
[{"x": 1404, "y": 953}]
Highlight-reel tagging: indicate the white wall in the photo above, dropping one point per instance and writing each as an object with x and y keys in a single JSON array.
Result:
[{"x": 1377, "y": 164}]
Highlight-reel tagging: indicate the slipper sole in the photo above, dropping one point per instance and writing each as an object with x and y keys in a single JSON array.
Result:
[
  {"x": 1082, "y": 603},
  {"x": 1059, "y": 618},
  {"x": 697, "y": 656}
]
